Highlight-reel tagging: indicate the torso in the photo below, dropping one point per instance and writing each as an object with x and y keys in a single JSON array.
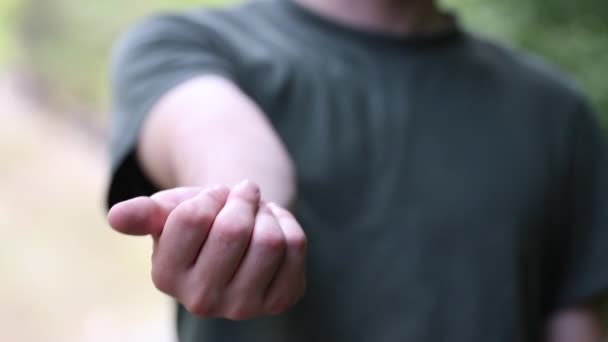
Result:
[{"x": 429, "y": 173}]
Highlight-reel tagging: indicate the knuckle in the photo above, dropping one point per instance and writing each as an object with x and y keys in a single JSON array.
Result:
[
  {"x": 240, "y": 312},
  {"x": 237, "y": 315},
  {"x": 199, "y": 310},
  {"x": 202, "y": 305},
  {"x": 298, "y": 242},
  {"x": 272, "y": 243},
  {"x": 278, "y": 305},
  {"x": 192, "y": 214},
  {"x": 162, "y": 280},
  {"x": 232, "y": 229}
]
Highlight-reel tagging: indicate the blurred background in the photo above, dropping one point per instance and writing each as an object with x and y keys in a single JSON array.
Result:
[{"x": 64, "y": 275}]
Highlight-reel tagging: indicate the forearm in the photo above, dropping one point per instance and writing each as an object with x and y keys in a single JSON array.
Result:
[
  {"x": 219, "y": 251},
  {"x": 231, "y": 164},
  {"x": 219, "y": 139}
]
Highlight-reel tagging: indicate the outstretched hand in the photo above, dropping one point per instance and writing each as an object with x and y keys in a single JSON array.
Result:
[{"x": 220, "y": 252}]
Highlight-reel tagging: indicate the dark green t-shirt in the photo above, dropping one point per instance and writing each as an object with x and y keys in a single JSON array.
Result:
[{"x": 452, "y": 190}]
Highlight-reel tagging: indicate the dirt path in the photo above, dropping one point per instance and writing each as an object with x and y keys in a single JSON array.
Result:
[{"x": 65, "y": 276}]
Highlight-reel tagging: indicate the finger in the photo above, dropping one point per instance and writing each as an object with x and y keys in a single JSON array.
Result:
[
  {"x": 138, "y": 216},
  {"x": 289, "y": 283},
  {"x": 147, "y": 215},
  {"x": 171, "y": 198},
  {"x": 261, "y": 261},
  {"x": 228, "y": 238},
  {"x": 186, "y": 229}
]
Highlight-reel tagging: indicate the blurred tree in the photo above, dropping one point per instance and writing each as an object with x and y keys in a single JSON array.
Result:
[
  {"x": 67, "y": 41},
  {"x": 571, "y": 34},
  {"x": 8, "y": 15},
  {"x": 67, "y": 44}
]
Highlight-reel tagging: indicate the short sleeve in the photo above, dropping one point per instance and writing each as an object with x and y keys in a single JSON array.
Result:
[
  {"x": 585, "y": 271},
  {"x": 151, "y": 58}
]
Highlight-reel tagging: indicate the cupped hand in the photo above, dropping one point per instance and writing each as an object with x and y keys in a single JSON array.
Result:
[{"x": 220, "y": 252}]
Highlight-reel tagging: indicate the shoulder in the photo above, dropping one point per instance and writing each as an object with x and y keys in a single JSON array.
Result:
[
  {"x": 228, "y": 33},
  {"x": 198, "y": 23},
  {"x": 530, "y": 91},
  {"x": 524, "y": 71}
]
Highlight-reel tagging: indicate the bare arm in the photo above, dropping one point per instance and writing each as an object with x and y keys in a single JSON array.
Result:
[
  {"x": 219, "y": 250},
  {"x": 206, "y": 131}
]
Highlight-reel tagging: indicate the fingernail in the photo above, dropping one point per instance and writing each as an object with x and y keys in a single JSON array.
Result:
[
  {"x": 242, "y": 184},
  {"x": 274, "y": 207}
]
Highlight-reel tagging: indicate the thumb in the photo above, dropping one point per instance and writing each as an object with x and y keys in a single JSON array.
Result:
[
  {"x": 138, "y": 216},
  {"x": 147, "y": 215}
]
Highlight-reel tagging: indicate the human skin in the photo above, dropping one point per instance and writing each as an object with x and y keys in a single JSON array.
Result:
[
  {"x": 220, "y": 251},
  {"x": 202, "y": 233}
]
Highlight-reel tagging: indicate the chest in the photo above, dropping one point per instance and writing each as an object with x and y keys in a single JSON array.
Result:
[{"x": 414, "y": 143}]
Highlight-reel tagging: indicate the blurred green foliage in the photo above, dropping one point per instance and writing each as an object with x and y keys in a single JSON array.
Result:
[
  {"x": 8, "y": 15},
  {"x": 570, "y": 34},
  {"x": 67, "y": 42}
]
